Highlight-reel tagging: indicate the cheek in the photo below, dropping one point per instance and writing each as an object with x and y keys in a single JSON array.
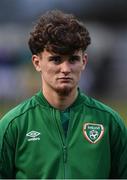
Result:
[
  {"x": 48, "y": 72},
  {"x": 78, "y": 69}
]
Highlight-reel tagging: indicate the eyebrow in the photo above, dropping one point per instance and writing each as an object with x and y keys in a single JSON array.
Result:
[{"x": 52, "y": 56}]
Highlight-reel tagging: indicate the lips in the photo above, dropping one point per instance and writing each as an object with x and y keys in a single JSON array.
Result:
[{"x": 65, "y": 79}]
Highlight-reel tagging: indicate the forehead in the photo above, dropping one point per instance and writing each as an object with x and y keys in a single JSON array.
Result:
[{"x": 47, "y": 53}]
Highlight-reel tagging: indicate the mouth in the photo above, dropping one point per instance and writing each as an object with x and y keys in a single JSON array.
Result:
[{"x": 65, "y": 79}]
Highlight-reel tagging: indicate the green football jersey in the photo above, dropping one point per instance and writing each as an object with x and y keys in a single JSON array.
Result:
[{"x": 33, "y": 144}]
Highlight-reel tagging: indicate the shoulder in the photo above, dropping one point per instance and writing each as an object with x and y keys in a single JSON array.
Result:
[
  {"x": 103, "y": 110},
  {"x": 98, "y": 105},
  {"x": 17, "y": 112},
  {"x": 95, "y": 104},
  {"x": 17, "y": 121}
]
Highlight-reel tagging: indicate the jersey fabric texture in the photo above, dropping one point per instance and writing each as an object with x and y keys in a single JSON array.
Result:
[
  {"x": 65, "y": 116},
  {"x": 33, "y": 143}
]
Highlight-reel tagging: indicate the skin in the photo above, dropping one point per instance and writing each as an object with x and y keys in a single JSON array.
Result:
[{"x": 60, "y": 75}]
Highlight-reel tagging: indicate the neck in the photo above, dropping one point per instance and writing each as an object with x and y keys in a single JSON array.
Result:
[{"x": 58, "y": 101}]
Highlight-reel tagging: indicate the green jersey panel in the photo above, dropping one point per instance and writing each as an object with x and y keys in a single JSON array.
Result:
[{"x": 33, "y": 143}]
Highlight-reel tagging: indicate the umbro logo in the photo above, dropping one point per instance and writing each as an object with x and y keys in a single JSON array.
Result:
[{"x": 33, "y": 136}]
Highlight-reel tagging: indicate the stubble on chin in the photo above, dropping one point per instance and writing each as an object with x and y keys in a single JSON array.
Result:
[{"x": 64, "y": 91}]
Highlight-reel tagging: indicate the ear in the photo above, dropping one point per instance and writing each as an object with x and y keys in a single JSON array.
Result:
[
  {"x": 85, "y": 60},
  {"x": 36, "y": 62}
]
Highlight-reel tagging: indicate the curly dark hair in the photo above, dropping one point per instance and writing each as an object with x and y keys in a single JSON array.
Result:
[{"x": 58, "y": 32}]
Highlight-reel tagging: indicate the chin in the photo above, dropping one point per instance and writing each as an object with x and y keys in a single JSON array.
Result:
[{"x": 64, "y": 91}]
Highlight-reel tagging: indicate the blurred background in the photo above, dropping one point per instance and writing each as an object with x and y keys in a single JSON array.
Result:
[{"x": 105, "y": 77}]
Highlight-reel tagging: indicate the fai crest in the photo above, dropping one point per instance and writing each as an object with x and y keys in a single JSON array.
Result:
[{"x": 93, "y": 132}]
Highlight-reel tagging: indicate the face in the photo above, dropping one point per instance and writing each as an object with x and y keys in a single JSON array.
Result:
[{"x": 60, "y": 73}]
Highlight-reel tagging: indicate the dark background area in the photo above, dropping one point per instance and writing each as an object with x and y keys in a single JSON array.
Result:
[{"x": 105, "y": 76}]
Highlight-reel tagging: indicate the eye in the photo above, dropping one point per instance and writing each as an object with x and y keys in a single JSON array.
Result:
[
  {"x": 55, "y": 59},
  {"x": 74, "y": 58}
]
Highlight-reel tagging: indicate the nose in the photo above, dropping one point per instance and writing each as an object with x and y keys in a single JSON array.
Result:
[{"x": 65, "y": 67}]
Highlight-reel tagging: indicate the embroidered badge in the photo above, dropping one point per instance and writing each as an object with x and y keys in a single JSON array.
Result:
[{"x": 93, "y": 132}]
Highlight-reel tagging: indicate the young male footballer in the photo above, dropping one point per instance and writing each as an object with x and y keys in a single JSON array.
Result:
[{"x": 60, "y": 133}]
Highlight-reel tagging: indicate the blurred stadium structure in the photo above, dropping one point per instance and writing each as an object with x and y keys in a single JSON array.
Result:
[{"x": 105, "y": 76}]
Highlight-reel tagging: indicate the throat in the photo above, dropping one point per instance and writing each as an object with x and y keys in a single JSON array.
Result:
[{"x": 60, "y": 101}]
